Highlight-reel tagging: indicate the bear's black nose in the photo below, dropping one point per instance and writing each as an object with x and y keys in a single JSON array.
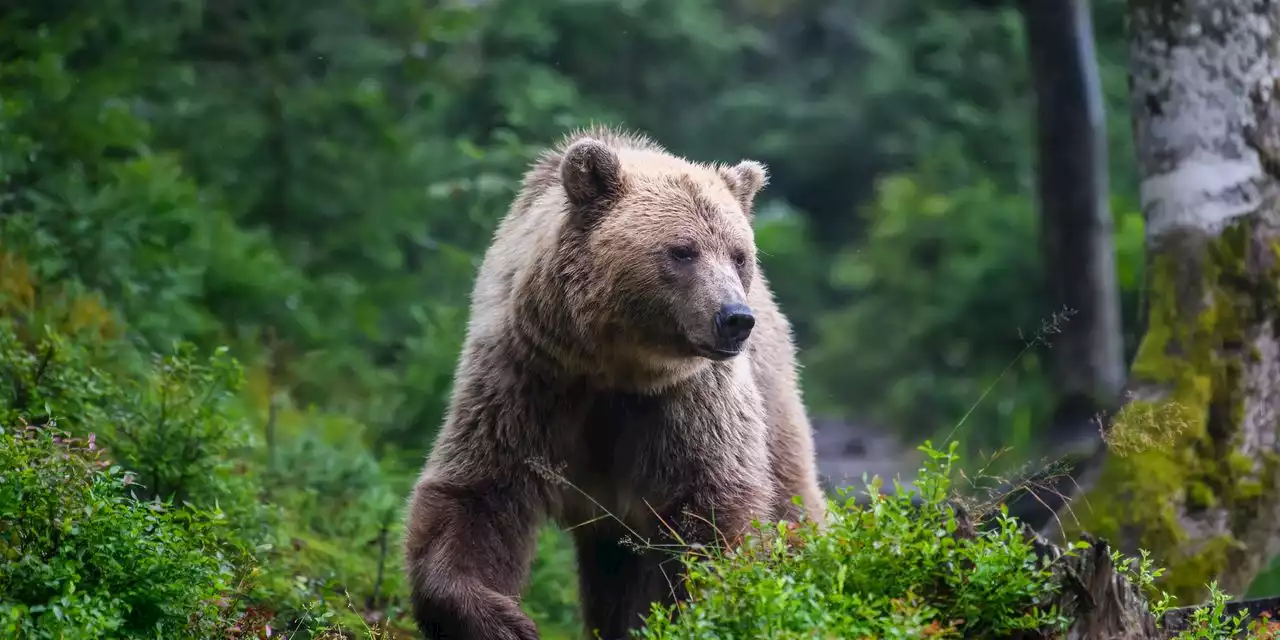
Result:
[{"x": 734, "y": 323}]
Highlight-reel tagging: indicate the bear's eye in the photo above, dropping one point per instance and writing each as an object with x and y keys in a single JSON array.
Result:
[
  {"x": 682, "y": 253},
  {"x": 740, "y": 259}
]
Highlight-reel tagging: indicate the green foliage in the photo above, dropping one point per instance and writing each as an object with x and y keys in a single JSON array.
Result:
[
  {"x": 179, "y": 428},
  {"x": 905, "y": 565},
  {"x": 1212, "y": 623},
  {"x": 193, "y": 239},
  {"x": 174, "y": 422},
  {"x": 888, "y": 569},
  {"x": 927, "y": 283},
  {"x": 294, "y": 532},
  {"x": 183, "y": 479},
  {"x": 1207, "y": 622},
  {"x": 84, "y": 559},
  {"x": 947, "y": 285},
  {"x": 86, "y": 196}
]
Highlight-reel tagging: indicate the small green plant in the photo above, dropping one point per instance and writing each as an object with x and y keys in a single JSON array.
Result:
[
  {"x": 1210, "y": 622},
  {"x": 1144, "y": 576}
]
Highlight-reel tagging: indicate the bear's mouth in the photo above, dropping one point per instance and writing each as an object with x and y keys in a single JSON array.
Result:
[{"x": 717, "y": 354}]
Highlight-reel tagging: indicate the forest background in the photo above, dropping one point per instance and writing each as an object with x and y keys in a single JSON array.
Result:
[{"x": 237, "y": 240}]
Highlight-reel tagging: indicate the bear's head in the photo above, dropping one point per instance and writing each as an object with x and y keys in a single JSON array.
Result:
[{"x": 660, "y": 253}]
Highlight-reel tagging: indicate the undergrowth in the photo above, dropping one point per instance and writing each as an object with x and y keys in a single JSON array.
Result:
[
  {"x": 139, "y": 499},
  {"x": 903, "y": 565},
  {"x": 885, "y": 569}
]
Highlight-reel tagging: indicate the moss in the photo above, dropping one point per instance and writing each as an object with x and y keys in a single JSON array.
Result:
[
  {"x": 1200, "y": 496},
  {"x": 1176, "y": 445},
  {"x": 1198, "y": 567},
  {"x": 1249, "y": 490},
  {"x": 1239, "y": 464}
]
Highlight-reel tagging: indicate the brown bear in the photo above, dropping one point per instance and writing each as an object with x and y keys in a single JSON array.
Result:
[{"x": 626, "y": 372}]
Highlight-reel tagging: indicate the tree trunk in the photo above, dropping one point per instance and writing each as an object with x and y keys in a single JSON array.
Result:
[
  {"x": 1191, "y": 469},
  {"x": 1086, "y": 358},
  {"x": 1098, "y": 599}
]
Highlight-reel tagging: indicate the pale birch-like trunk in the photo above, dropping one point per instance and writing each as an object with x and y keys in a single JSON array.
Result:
[{"x": 1193, "y": 468}]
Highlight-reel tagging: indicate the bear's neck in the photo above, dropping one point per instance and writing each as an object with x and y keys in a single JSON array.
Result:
[{"x": 548, "y": 340}]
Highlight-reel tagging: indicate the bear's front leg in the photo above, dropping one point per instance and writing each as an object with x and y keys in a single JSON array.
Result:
[
  {"x": 619, "y": 582},
  {"x": 473, "y": 517},
  {"x": 469, "y": 545}
]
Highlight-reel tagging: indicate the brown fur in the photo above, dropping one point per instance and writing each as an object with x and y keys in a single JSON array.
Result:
[{"x": 583, "y": 354}]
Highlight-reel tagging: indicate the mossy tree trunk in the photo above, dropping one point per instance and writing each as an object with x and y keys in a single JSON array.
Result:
[{"x": 1191, "y": 468}]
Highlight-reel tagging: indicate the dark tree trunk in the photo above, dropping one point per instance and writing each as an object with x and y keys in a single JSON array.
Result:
[{"x": 1086, "y": 360}]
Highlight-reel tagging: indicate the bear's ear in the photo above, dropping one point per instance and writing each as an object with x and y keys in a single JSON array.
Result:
[
  {"x": 590, "y": 172},
  {"x": 745, "y": 180}
]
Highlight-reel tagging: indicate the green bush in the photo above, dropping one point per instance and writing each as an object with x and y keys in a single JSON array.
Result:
[
  {"x": 889, "y": 569},
  {"x": 173, "y": 419},
  {"x": 82, "y": 558},
  {"x": 194, "y": 485}
]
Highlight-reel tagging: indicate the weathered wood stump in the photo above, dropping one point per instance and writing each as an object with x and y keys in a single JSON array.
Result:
[{"x": 1102, "y": 602}]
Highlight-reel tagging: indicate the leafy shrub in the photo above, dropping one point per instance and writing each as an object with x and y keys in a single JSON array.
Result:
[
  {"x": 173, "y": 419},
  {"x": 889, "y": 569},
  {"x": 84, "y": 559},
  {"x": 177, "y": 424}
]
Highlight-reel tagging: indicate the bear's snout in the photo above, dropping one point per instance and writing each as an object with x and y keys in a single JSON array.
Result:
[{"x": 734, "y": 323}]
